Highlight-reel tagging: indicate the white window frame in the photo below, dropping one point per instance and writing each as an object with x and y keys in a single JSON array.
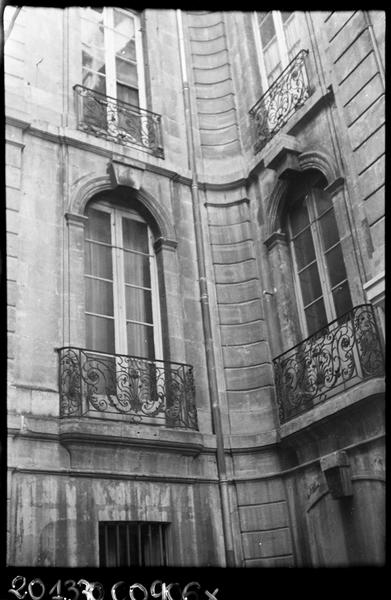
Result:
[
  {"x": 281, "y": 43},
  {"x": 120, "y": 335},
  {"x": 109, "y": 52},
  {"x": 326, "y": 288}
]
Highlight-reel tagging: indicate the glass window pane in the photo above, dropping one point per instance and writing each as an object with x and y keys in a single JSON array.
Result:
[
  {"x": 126, "y": 72},
  {"x": 111, "y": 558},
  {"x": 100, "y": 334},
  {"x": 99, "y": 296},
  {"x": 335, "y": 265},
  {"x": 316, "y": 316},
  {"x": 328, "y": 229},
  {"x": 125, "y": 48},
  {"x": 304, "y": 248},
  {"x": 292, "y": 34},
  {"x": 133, "y": 545},
  {"x": 137, "y": 270},
  {"x": 272, "y": 61},
  {"x": 267, "y": 30},
  {"x": 124, "y": 23},
  {"x": 123, "y": 562},
  {"x": 310, "y": 284},
  {"x": 322, "y": 201},
  {"x": 127, "y": 94},
  {"x": 299, "y": 217},
  {"x": 285, "y": 15},
  {"x": 135, "y": 235},
  {"x": 140, "y": 340},
  {"x": 138, "y": 304},
  {"x": 342, "y": 299},
  {"x": 98, "y": 226},
  {"x": 93, "y": 60},
  {"x": 92, "y": 34},
  {"x": 97, "y": 83},
  {"x": 98, "y": 260}
]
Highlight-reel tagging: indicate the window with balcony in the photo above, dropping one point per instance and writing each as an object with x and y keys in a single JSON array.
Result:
[
  {"x": 282, "y": 64},
  {"x": 112, "y": 58},
  {"x": 132, "y": 544},
  {"x": 121, "y": 372},
  {"x": 278, "y": 37},
  {"x": 340, "y": 343},
  {"x": 320, "y": 274},
  {"x": 111, "y": 100},
  {"x": 122, "y": 308}
]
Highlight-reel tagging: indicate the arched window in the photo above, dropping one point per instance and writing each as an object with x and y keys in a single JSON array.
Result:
[
  {"x": 121, "y": 302},
  {"x": 319, "y": 268}
]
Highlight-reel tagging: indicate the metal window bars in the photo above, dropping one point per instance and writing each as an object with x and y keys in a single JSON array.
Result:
[
  {"x": 132, "y": 543},
  {"x": 348, "y": 350},
  {"x": 286, "y": 94},
  {"x": 146, "y": 391},
  {"x": 118, "y": 121}
]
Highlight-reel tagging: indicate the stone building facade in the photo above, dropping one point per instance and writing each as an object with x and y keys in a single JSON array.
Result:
[{"x": 204, "y": 190}]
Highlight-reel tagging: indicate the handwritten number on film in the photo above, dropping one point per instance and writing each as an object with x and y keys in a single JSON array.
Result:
[
  {"x": 36, "y": 589},
  {"x": 95, "y": 591}
]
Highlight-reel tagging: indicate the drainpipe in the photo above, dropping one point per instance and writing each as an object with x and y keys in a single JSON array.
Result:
[{"x": 206, "y": 320}]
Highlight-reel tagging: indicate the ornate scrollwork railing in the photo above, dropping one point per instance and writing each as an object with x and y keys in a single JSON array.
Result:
[
  {"x": 287, "y": 93},
  {"x": 115, "y": 120},
  {"x": 146, "y": 391},
  {"x": 346, "y": 351}
]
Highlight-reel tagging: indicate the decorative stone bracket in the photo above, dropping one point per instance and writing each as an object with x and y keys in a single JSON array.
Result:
[
  {"x": 336, "y": 469},
  {"x": 125, "y": 174},
  {"x": 282, "y": 156}
]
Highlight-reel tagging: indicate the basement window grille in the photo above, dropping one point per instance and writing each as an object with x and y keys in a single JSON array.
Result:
[{"x": 132, "y": 544}]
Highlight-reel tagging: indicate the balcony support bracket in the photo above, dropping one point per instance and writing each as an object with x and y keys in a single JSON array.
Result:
[
  {"x": 282, "y": 156},
  {"x": 336, "y": 469}
]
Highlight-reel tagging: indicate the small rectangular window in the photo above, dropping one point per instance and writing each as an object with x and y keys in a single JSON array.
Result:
[{"x": 132, "y": 544}]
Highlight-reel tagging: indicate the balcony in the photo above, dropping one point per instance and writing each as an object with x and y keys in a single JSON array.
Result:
[
  {"x": 345, "y": 352},
  {"x": 118, "y": 121},
  {"x": 282, "y": 99},
  {"x": 120, "y": 387}
]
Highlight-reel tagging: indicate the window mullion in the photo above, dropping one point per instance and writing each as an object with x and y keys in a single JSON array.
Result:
[
  {"x": 320, "y": 258},
  {"x": 297, "y": 287},
  {"x": 109, "y": 52},
  {"x": 281, "y": 42},
  {"x": 156, "y": 318},
  {"x": 258, "y": 45},
  {"x": 119, "y": 285},
  {"x": 139, "y": 61}
]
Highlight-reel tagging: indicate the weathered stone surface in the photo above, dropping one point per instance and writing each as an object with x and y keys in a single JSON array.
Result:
[{"x": 232, "y": 335}]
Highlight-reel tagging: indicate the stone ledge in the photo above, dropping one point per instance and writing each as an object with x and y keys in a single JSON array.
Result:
[
  {"x": 332, "y": 406},
  {"x": 96, "y": 431}
]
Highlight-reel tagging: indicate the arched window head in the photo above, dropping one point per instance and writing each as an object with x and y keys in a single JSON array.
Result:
[
  {"x": 121, "y": 303},
  {"x": 322, "y": 286}
]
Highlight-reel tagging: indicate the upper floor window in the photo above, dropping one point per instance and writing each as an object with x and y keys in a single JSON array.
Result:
[
  {"x": 122, "y": 307},
  {"x": 319, "y": 267},
  {"x": 277, "y": 36},
  {"x": 112, "y": 59}
]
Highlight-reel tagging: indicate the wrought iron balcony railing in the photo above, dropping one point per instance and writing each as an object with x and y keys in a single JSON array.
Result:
[
  {"x": 287, "y": 93},
  {"x": 145, "y": 391},
  {"x": 346, "y": 351},
  {"x": 115, "y": 120}
]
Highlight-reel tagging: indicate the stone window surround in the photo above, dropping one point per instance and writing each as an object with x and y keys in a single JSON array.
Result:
[
  {"x": 164, "y": 246},
  {"x": 287, "y": 159}
]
